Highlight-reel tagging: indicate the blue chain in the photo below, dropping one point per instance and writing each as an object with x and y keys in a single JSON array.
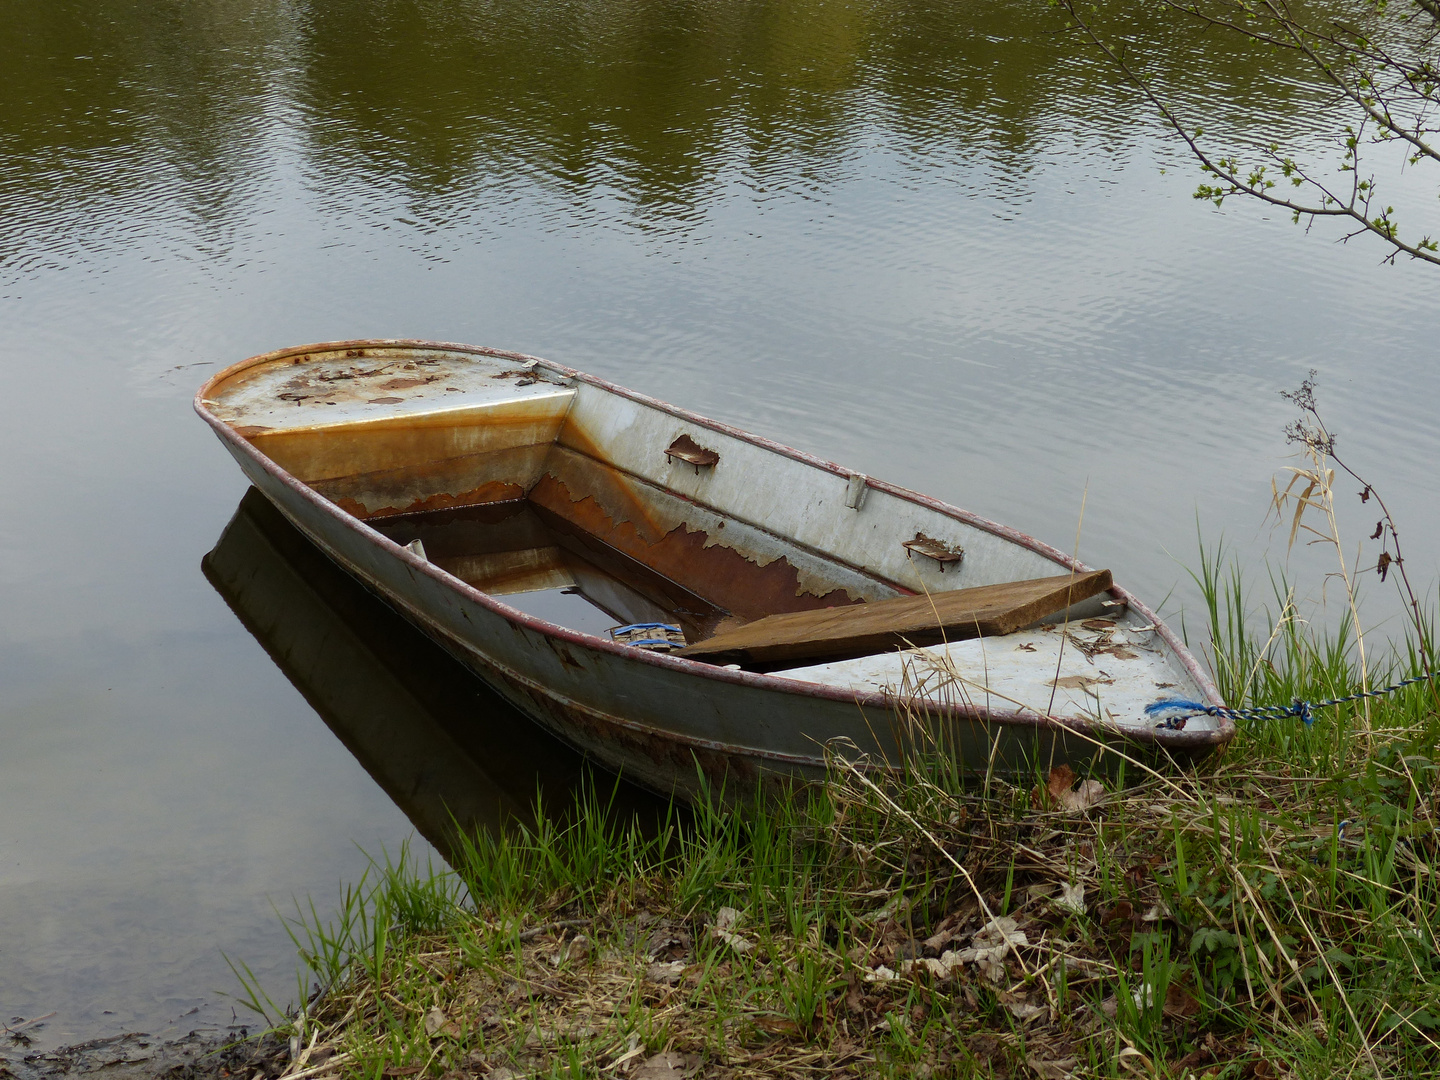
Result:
[{"x": 1303, "y": 709}]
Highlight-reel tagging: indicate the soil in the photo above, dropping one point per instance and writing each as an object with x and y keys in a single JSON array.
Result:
[{"x": 199, "y": 1055}]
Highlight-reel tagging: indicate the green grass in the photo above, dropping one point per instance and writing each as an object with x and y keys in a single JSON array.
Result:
[{"x": 1211, "y": 921}]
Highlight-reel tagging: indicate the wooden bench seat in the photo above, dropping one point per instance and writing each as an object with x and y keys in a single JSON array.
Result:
[{"x": 839, "y": 633}]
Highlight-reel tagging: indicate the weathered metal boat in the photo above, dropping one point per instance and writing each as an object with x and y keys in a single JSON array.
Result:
[{"x": 688, "y": 603}]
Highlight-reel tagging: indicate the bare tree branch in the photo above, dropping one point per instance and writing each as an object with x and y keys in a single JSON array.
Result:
[{"x": 1394, "y": 86}]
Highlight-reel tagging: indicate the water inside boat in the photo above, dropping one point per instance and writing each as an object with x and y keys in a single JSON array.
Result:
[{"x": 543, "y": 566}]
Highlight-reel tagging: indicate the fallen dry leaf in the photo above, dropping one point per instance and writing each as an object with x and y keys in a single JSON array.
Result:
[
  {"x": 437, "y": 1023},
  {"x": 666, "y": 972},
  {"x": 1061, "y": 780},
  {"x": 778, "y": 1025},
  {"x": 1060, "y": 785},
  {"x": 1085, "y": 796},
  {"x": 1135, "y": 1061},
  {"x": 1079, "y": 682},
  {"x": 1023, "y": 1010},
  {"x": 1180, "y": 1004},
  {"x": 666, "y": 1066},
  {"x": 1072, "y": 898},
  {"x": 726, "y": 919},
  {"x": 1051, "y": 1070},
  {"x": 989, "y": 947}
]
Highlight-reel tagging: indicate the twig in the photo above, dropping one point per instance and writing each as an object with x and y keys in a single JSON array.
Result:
[
  {"x": 563, "y": 924},
  {"x": 6, "y": 1029},
  {"x": 330, "y": 1062}
]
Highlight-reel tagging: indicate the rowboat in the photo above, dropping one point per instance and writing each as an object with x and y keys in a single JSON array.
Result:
[{"x": 694, "y": 606}]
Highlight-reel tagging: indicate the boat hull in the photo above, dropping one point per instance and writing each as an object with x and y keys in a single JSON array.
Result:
[{"x": 673, "y": 725}]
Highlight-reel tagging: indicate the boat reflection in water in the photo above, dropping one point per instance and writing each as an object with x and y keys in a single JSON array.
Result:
[{"x": 440, "y": 743}]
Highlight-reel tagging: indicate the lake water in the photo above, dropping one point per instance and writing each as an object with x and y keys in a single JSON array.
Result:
[{"x": 931, "y": 241}]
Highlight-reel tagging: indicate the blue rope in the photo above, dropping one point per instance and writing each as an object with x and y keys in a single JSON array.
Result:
[
  {"x": 1303, "y": 709},
  {"x": 616, "y": 631}
]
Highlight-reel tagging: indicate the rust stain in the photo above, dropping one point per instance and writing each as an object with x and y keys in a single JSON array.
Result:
[
  {"x": 458, "y": 481},
  {"x": 687, "y": 449},
  {"x": 580, "y": 465},
  {"x": 938, "y": 550},
  {"x": 403, "y": 382},
  {"x": 492, "y": 492},
  {"x": 560, "y": 649},
  {"x": 717, "y": 574},
  {"x": 338, "y": 450}
]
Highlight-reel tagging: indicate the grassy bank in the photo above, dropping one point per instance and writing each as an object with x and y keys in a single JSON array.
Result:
[{"x": 1269, "y": 912}]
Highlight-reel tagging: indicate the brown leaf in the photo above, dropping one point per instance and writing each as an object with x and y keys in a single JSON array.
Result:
[
  {"x": 1079, "y": 682},
  {"x": 945, "y": 932},
  {"x": 1180, "y": 1004},
  {"x": 1060, "y": 783},
  {"x": 854, "y": 1000},
  {"x": 1382, "y": 564},
  {"x": 437, "y": 1023},
  {"x": 1062, "y": 779},
  {"x": 1265, "y": 1069},
  {"x": 1098, "y": 624},
  {"x": 778, "y": 1025},
  {"x": 386, "y": 400}
]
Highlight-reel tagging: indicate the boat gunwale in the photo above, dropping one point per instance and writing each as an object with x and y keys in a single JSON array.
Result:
[{"x": 1181, "y": 741}]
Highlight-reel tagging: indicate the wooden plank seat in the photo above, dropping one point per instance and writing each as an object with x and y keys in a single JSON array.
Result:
[{"x": 840, "y": 633}]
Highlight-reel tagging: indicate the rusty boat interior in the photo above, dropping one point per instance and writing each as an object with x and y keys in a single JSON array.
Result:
[{"x": 607, "y": 513}]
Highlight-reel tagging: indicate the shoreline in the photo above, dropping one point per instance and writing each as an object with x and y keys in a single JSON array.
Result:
[{"x": 197, "y": 1055}]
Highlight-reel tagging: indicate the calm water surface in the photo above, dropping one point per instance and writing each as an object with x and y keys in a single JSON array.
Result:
[{"x": 928, "y": 240}]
